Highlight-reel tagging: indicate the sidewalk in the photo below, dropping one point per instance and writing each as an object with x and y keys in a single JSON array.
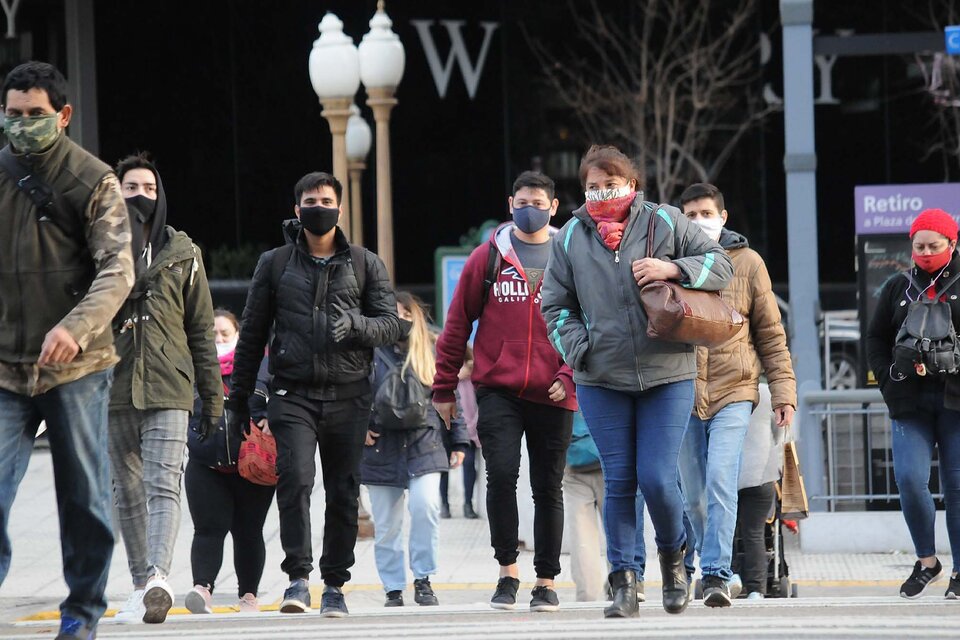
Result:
[{"x": 467, "y": 572}]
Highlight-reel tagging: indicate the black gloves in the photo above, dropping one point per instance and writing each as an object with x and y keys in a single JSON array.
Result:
[
  {"x": 343, "y": 322},
  {"x": 207, "y": 427},
  {"x": 238, "y": 413}
]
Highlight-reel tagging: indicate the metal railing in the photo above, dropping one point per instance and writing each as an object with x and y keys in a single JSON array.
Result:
[{"x": 845, "y": 443}]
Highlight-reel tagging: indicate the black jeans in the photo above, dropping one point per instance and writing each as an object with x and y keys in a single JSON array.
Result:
[
  {"x": 503, "y": 419},
  {"x": 222, "y": 502},
  {"x": 337, "y": 427},
  {"x": 753, "y": 507},
  {"x": 469, "y": 467}
]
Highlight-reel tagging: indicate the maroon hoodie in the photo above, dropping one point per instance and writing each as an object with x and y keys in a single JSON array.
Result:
[{"x": 511, "y": 349}]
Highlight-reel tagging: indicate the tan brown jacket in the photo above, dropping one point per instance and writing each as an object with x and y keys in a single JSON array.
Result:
[{"x": 731, "y": 372}]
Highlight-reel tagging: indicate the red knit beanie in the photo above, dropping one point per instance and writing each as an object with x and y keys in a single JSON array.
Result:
[{"x": 936, "y": 220}]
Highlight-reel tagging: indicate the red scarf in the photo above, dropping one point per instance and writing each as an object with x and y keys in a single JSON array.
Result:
[
  {"x": 226, "y": 364},
  {"x": 610, "y": 216}
]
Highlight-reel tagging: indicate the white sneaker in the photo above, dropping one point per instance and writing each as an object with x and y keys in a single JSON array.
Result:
[
  {"x": 132, "y": 610},
  {"x": 157, "y": 600},
  {"x": 754, "y": 595},
  {"x": 735, "y": 585}
]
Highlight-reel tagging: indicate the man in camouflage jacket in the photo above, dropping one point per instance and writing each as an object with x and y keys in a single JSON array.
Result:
[{"x": 64, "y": 272}]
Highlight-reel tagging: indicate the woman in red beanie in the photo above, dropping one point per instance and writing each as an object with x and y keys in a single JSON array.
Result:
[{"x": 924, "y": 405}]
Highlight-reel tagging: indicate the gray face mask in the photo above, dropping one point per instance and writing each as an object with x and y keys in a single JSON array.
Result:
[{"x": 32, "y": 134}]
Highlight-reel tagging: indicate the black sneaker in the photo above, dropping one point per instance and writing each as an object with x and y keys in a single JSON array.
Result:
[
  {"x": 445, "y": 511},
  {"x": 469, "y": 513},
  {"x": 715, "y": 592},
  {"x": 74, "y": 629},
  {"x": 641, "y": 596},
  {"x": 394, "y": 599},
  {"x": 296, "y": 599},
  {"x": 919, "y": 580},
  {"x": 423, "y": 593},
  {"x": 953, "y": 591},
  {"x": 332, "y": 604},
  {"x": 544, "y": 599},
  {"x": 505, "y": 597}
]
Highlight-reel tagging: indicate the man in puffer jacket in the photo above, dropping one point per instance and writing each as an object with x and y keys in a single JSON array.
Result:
[
  {"x": 726, "y": 394},
  {"x": 329, "y": 304}
]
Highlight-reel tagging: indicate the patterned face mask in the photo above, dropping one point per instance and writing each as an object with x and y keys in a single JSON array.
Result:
[
  {"x": 601, "y": 195},
  {"x": 32, "y": 134}
]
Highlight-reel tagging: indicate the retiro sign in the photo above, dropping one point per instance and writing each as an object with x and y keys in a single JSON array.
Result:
[{"x": 891, "y": 208}]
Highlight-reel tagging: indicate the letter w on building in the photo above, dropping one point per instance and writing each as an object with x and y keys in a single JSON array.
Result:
[{"x": 458, "y": 52}]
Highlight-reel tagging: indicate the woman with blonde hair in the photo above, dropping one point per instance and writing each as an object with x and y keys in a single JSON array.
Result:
[{"x": 405, "y": 452}]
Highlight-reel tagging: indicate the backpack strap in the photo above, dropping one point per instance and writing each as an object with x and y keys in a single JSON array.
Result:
[
  {"x": 46, "y": 200},
  {"x": 491, "y": 274},
  {"x": 358, "y": 255},
  {"x": 952, "y": 281},
  {"x": 279, "y": 264}
]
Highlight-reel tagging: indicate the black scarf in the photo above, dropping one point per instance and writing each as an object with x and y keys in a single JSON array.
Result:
[{"x": 158, "y": 233}]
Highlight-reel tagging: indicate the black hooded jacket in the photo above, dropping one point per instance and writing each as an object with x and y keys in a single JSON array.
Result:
[{"x": 304, "y": 359}]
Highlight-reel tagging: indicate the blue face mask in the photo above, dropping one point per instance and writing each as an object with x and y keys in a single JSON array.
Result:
[{"x": 529, "y": 219}]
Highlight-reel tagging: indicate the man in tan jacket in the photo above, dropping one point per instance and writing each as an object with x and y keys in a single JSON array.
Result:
[{"x": 727, "y": 392}]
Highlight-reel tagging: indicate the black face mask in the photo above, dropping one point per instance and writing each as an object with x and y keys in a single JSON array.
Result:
[
  {"x": 319, "y": 220},
  {"x": 142, "y": 207},
  {"x": 405, "y": 327}
]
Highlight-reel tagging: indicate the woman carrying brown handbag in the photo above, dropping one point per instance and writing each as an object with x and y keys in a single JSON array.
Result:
[{"x": 637, "y": 391}]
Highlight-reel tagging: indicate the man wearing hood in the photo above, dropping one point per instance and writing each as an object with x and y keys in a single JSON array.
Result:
[
  {"x": 164, "y": 336},
  {"x": 64, "y": 272},
  {"x": 727, "y": 390},
  {"x": 524, "y": 389},
  {"x": 329, "y": 304}
]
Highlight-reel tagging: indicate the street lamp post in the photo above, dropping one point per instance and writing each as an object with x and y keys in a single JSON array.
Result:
[
  {"x": 358, "y": 148},
  {"x": 335, "y": 75},
  {"x": 382, "y": 60}
]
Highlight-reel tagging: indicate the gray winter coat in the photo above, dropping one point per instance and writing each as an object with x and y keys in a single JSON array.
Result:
[{"x": 591, "y": 301}]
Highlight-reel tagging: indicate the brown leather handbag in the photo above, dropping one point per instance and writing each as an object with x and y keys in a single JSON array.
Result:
[{"x": 677, "y": 314}]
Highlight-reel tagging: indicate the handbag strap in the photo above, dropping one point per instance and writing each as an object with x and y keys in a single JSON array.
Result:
[{"x": 652, "y": 227}]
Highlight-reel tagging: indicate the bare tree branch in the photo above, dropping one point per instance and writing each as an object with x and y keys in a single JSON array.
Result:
[{"x": 676, "y": 83}]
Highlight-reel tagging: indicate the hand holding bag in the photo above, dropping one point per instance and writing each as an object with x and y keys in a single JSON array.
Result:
[
  {"x": 794, "y": 504},
  {"x": 677, "y": 314},
  {"x": 258, "y": 457}
]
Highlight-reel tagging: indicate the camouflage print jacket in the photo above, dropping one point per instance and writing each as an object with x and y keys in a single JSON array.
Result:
[{"x": 73, "y": 273}]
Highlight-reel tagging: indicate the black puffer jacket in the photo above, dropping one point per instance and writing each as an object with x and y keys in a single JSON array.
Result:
[
  {"x": 303, "y": 356},
  {"x": 903, "y": 397}
]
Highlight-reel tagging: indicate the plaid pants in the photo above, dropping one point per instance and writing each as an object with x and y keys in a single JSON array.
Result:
[{"x": 147, "y": 458}]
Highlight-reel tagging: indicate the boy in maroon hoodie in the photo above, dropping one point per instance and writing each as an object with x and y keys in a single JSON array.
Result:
[{"x": 523, "y": 386}]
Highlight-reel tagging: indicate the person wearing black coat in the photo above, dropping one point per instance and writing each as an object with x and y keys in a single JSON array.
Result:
[
  {"x": 220, "y": 500},
  {"x": 924, "y": 405},
  {"x": 328, "y": 304},
  {"x": 408, "y": 460}
]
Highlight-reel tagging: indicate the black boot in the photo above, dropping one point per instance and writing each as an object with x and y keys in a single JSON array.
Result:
[
  {"x": 624, "y": 587},
  {"x": 675, "y": 595}
]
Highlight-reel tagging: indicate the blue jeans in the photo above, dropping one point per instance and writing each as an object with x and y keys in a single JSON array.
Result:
[
  {"x": 709, "y": 470},
  {"x": 913, "y": 440},
  {"x": 638, "y": 435},
  {"x": 387, "y": 506},
  {"x": 76, "y": 416}
]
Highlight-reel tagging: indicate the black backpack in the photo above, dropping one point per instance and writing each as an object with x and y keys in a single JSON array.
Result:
[
  {"x": 927, "y": 340},
  {"x": 400, "y": 402}
]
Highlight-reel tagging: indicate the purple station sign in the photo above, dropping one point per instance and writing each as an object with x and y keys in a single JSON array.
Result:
[{"x": 891, "y": 208}]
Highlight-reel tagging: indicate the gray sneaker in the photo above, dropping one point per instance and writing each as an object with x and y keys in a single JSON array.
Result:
[
  {"x": 544, "y": 599},
  {"x": 332, "y": 604},
  {"x": 715, "y": 592},
  {"x": 296, "y": 599},
  {"x": 505, "y": 597}
]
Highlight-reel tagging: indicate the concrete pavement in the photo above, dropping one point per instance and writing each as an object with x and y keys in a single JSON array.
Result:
[{"x": 838, "y": 592}]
